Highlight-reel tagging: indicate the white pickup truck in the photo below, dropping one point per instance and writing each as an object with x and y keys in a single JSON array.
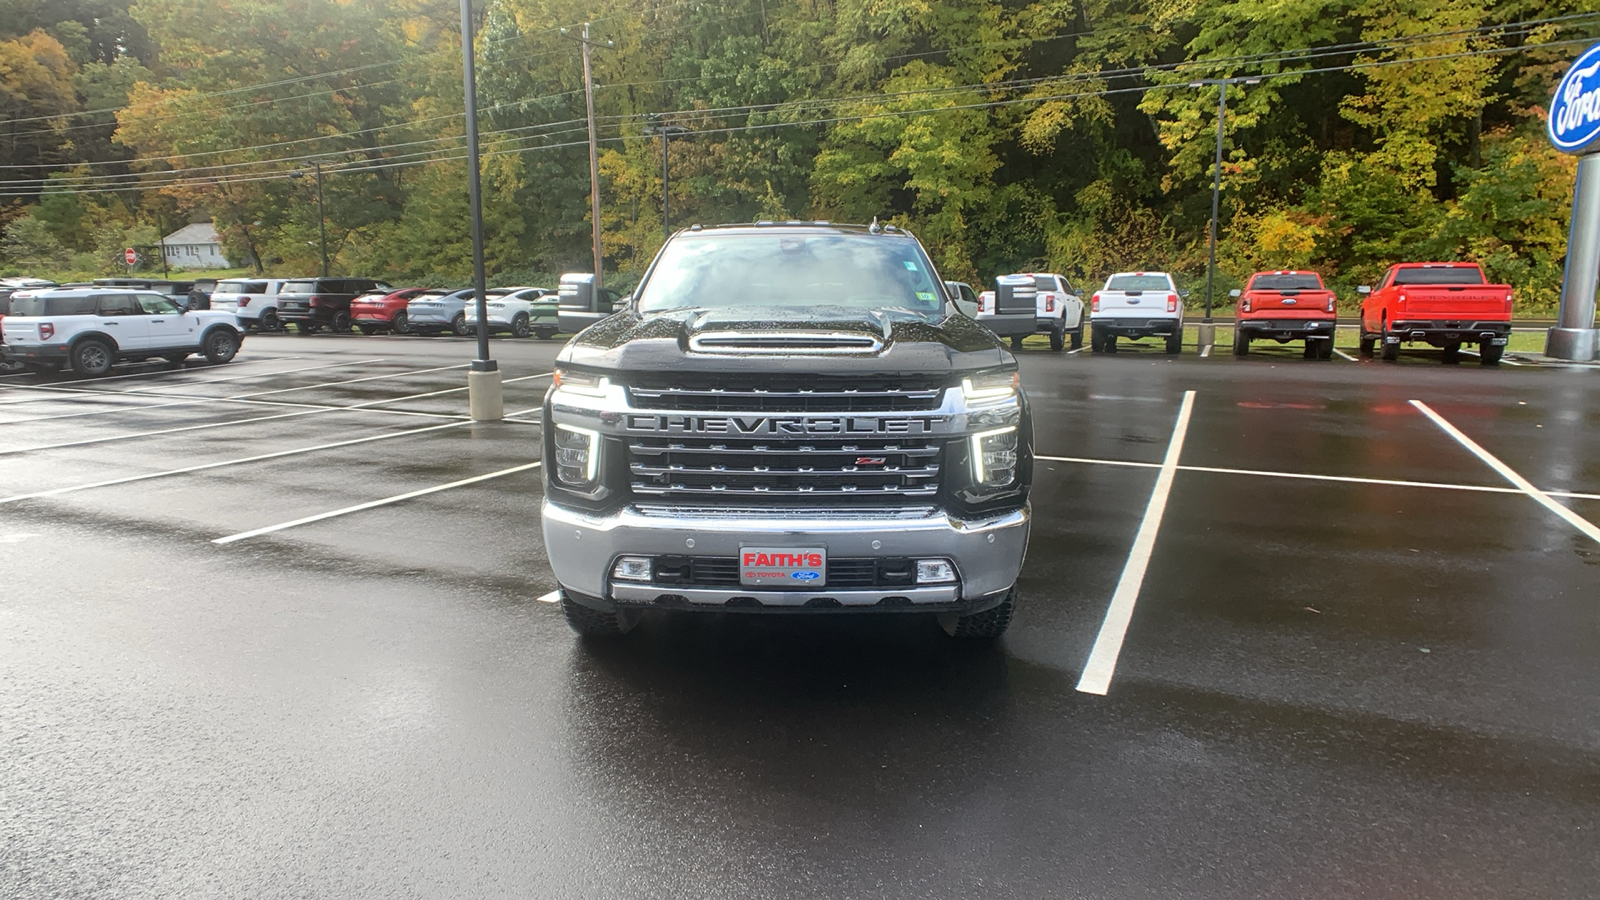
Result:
[
  {"x": 1031, "y": 303},
  {"x": 1136, "y": 305}
]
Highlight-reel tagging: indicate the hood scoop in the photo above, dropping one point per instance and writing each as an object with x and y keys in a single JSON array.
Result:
[{"x": 785, "y": 342}]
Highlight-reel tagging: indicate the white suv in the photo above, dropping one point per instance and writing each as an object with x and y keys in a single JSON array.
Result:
[
  {"x": 1029, "y": 303},
  {"x": 253, "y": 300},
  {"x": 91, "y": 329},
  {"x": 1136, "y": 305}
]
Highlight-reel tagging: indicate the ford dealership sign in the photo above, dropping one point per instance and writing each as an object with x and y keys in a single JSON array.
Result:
[{"x": 1575, "y": 111}]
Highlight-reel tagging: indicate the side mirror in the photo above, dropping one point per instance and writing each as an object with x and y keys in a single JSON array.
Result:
[
  {"x": 1364, "y": 289},
  {"x": 1184, "y": 293},
  {"x": 1235, "y": 292}
]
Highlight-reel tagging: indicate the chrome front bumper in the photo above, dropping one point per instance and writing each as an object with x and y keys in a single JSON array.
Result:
[{"x": 583, "y": 547}]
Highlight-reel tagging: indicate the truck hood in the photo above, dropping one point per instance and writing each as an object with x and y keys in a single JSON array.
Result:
[{"x": 895, "y": 343}]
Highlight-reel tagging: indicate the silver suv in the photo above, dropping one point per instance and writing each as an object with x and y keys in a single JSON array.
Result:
[{"x": 92, "y": 329}]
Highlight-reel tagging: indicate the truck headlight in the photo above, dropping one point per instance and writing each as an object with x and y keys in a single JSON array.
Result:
[
  {"x": 994, "y": 457},
  {"x": 989, "y": 387},
  {"x": 585, "y": 384},
  {"x": 577, "y": 456}
]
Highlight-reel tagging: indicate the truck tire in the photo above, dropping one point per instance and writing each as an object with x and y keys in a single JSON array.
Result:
[
  {"x": 984, "y": 626},
  {"x": 1175, "y": 343},
  {"x": 1241, "y": 342},
  {"x": 1058, "y": 339},
  {"x": 1391, "y": 352},
  {"x": 592, "y": 623},
  {"x": 269, "y": 320},
  {"x": 1489, "y": 354},
  {"x": 221, "y": 345},
  {"x": 1077, "y": 338},
  {"x": 1310, "y": 350},
  {"x": 1016, "y": 342},
  {"x": 1325, "y": 348},
  {"x": 340, "y": 323},
  {"x": 1109, "y": 342},
  {"x": 92, "y": 357},
  {"x": 1366, "y": 345},
  {"x": 1450, "y": 354}
]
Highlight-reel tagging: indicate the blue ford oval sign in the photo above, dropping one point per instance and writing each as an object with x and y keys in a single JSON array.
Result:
[{"x": 1575, "y": 111}]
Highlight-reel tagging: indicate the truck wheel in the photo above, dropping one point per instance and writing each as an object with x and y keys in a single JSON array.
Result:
[
  {"x": 1325, "y": 348},
  {"x": 1110, "y": 343},
  {"x": 1489, "y": 354},
  {"x": 1077, "y": 338},
  {"x": 1366, "y": 345},
  {"x": 1016, "y": 342},
  {"x": 340, "y": 323},
  {"x": 268, "y": 321},
  {"x": 592, "y": 623},
  {"x": 92, "y": 358},
  {"x": 220, "y": 346},
  {"x": 1451, "y": 354},
  {"x": 984, "y": 626},
  {"x": 1058, "y": 339},
  {"x": 1175, "y": 343},
  {"x": 399, "y": 324},
  {"x": 1310, "y": 350},
  {"x": 1241, "y": 342},
  {"x": 519, "y": 325},
  {"x": 1391, "y": 352}
]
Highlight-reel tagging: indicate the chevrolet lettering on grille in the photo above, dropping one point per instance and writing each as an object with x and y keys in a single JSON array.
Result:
[{"x": 779, "y": 425}]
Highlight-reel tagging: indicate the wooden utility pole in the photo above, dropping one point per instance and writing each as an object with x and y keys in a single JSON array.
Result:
[{"x": 594, "y": 153}]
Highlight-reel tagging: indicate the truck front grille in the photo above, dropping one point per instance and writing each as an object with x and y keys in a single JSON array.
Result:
[
  {"x": 806, "y": 470},
  {"x": 802, "y": 394},
  {"x": 723, "y": 571}
]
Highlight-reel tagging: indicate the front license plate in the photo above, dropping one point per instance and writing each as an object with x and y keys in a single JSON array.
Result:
[{"x": 783, "y": 567}]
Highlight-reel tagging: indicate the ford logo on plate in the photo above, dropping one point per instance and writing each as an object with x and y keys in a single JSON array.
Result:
[
  {"x": 1575, "y": 110},
  {"x": 805, "y": 576}
]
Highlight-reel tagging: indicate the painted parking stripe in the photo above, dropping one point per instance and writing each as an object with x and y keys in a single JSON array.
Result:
[
  {"x": 374, "y": 504},
  {"x": 1096, "y": 678},
  {"x": 252, "y": 360},
  {"x": 1344, "y": 354},
  {"x": 203, "y": 467},
  {"x": 1306, "y": 476},
  {"x": 82, "y": 393},
  {"x": 1548, "y": 502},
  {"x": 1509, "y": 362}
]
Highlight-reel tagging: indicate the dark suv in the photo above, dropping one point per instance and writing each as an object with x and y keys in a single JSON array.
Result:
[{"x": 316, "y": 303}]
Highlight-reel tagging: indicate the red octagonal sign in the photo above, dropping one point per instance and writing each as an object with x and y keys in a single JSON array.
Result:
[{"x": 131, "y": 255}]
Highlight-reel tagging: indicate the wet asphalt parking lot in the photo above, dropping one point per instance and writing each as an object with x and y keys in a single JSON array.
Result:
[{"x": 1359, "y": 660}]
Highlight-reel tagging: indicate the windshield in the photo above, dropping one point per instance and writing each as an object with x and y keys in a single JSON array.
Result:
[
  {"x": 241, "y": 287},
  {"x": 1138, "y": 283},
  {"x": 1440, "y": 275},
  {"x": 760, "y": 271},
  {"x": 1286, "y": 283}
]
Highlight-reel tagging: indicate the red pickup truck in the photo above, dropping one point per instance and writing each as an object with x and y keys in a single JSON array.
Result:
[
  {"x": 1285, "y": 306},
  {"x": 1443, "y": 304}
]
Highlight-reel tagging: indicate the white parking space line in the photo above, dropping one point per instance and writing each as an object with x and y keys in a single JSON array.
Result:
[
  {"x": 131, "y": 479},
  {"x": 1576, "y": 521},
  {"x": 374, "y": 504},
  {"x": 232, "y": 422},
  {"x": 252, "y": 360},
  {"x": 552, "y": 597},
  {"x": 1345, "y": 355},
  {"x": 1305, "y": 476},
  {"x": 1096, "y": 677},
  {"x": 1077, "y": 350},
  {"x": 1205, "y": 351},
  {"x": 236, "y": 397},
  {"x": 56, "y": 390}
]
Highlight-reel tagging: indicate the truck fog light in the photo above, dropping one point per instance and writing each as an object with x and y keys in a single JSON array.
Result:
[
  {"x": 994, "y": 457},
  {"x": 935, "y": 571},
  {"x": 577, "y": 455},
  {"x": 631, "y": 568}
]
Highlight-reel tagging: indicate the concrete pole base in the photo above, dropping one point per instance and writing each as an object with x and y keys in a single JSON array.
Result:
[
  {"x": 1578, "y": 344},
  {"x": 485, "y": 399},
  {"x": 1208, "y": 335}
]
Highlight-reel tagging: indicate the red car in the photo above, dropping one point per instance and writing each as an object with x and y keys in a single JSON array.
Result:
[
  {"x": 1442, "y": 304},
  {"x": 380, "y": 311},
  {"x": 1285, "y": 306}
]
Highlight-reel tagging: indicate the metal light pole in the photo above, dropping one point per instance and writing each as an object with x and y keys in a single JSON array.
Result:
[
  {"x": 485, "y": 397},
  {"x": 1208, "y": 330},
  {"x": 666, "y": 133},
  {"x": 594, "y": 157}
]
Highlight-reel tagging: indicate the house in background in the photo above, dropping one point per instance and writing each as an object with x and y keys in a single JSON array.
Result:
[{"x": 195, "y": 247}]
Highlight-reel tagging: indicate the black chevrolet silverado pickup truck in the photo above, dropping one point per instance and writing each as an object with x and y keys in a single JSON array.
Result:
[{"x": 787, "y": 418}]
